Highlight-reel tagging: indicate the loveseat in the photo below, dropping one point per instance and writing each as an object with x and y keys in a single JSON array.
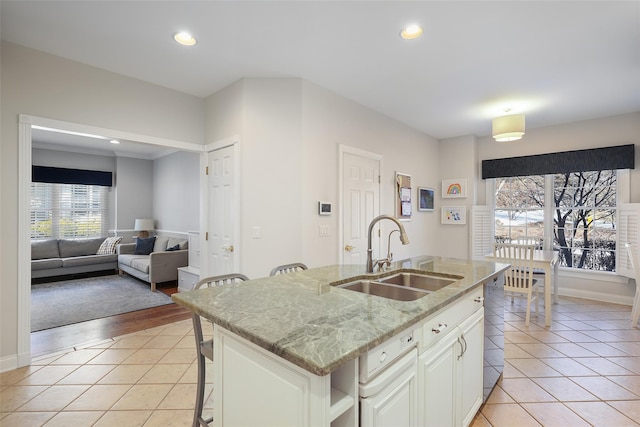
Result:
[
  {"x": 59, "y": 257},
  {"x": 154, "y": 260}
]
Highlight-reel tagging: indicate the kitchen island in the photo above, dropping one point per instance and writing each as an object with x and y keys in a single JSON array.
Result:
[{"x": 303, "y": 324}]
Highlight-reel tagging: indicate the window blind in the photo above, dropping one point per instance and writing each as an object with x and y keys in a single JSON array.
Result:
[
  {"x": 608, "y": 158},
  {"x": 68, "y": 211}
]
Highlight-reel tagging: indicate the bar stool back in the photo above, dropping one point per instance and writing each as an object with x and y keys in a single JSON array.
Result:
[
  {"x": 205, "y": 347},
  {"x": 288, "y": 268}
]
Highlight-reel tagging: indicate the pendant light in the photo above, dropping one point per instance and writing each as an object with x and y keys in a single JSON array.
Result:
[{"x": 508, "y": 128}]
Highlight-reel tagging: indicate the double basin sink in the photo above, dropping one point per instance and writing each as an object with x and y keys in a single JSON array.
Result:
[{"x": 401, "y": 286}]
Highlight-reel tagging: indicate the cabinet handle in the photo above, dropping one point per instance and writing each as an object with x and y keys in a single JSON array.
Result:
[
  {"x": 479, "y": 299},
  {"x": 464, "y": 341},
  {"x": 441, "y": 327},
  {"x": 461, "y": 349}
]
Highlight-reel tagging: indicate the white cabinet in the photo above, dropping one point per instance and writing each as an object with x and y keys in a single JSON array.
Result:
[
  {"x": 255, "y": 388},
  {"x": 194, "y": 249},
  {"x": 395, "y": 401},
  {"x": 450, "y": 370},
  {"x": 187, "y": 278}
]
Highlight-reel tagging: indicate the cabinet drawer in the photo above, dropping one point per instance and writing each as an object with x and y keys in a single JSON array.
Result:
[{"x": 448, "y": 318}]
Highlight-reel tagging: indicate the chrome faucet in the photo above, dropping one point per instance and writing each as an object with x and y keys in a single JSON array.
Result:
[{"x": 403, "y": 238}]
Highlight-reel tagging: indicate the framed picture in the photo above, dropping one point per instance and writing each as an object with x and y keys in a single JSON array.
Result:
[
  {"x": 454, "y": 215},
  {"x": 454, "y": 188},
  {"x": 425, "y": 198}
]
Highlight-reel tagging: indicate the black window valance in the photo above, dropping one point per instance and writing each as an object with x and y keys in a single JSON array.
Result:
[
  {"x": 609, "y": 158},
  {"x": 71, "y": 176}
]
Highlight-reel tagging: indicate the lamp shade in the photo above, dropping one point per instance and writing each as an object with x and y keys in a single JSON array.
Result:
[
  {"x": 508, "y": 128},
  {"x": 143, "y": 225}
]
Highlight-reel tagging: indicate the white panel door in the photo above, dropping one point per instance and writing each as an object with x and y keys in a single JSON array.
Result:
[
  {"x": 222, "y": 250},
  {"x": 361, "y": 203}
]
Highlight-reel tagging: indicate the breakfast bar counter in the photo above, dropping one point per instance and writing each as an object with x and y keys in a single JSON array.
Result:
[{"x": 306, "y": 319}]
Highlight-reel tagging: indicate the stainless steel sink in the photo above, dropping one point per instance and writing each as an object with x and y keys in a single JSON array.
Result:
[
  {"x": 384, "y": 290},
  {"x": 419, "y": 281}
]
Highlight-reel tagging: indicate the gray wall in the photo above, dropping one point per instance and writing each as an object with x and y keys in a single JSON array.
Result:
[
  {"x": 176, "y": 192},
  {"x": 134, "y": 191}
]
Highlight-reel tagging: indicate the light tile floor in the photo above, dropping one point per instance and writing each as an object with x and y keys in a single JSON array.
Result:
[{"x": 583, "y": 370}]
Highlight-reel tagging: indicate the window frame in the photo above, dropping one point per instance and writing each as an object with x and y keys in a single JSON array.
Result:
[{"x": 623, "y": 195}]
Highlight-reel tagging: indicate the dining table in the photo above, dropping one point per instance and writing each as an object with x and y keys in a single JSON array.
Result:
[{"x": 547, "y": 261}]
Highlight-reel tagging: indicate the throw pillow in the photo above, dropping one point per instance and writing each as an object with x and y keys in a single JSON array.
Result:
[
  {"x": 108, "y": 247},
  {"x": 174, "y": 248},
  {"x": 144, "y": 246}
]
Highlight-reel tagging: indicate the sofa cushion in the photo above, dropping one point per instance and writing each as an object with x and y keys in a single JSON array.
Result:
[
  {"x": 44, "y": 249},
  {"x": 108, "y": 247},
  {"x": 127, "y": 259},
  {"x": 69, "y": 248},
  {"x": 44, "y": 264},
  {"x": 88, "y": 260},
  {"x": 144, "y": 246},
  {"x": 173, "y": 241},
  {"x": 161, "y": 244},
  {"x": 141, "y": 264}
]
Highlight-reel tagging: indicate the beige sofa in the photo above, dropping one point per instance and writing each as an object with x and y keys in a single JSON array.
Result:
[{"x": 161, "y": 265}]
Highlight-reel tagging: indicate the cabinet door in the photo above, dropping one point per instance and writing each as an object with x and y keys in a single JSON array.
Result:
[
  {"x": 395, "y": 404},
  {"x": 470, "y": 367},
  {"x": 438, "y": 391}
]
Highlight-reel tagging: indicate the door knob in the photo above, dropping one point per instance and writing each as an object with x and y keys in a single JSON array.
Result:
[
  {"x": 228, "y": 248},
  {"x": 349, "y": 248}
]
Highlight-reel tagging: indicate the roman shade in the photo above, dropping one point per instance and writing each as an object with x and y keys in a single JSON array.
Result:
[
  {"x": 608, "y": 158},
  {"x": 71, "y": 176}
]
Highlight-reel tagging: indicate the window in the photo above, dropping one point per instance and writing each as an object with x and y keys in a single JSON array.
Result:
[
  {"x": 583, "y": 214},
  {"x": 68, "y": 211},
  {"x": 584, "y": 219},
  {"x": 519, "y": 212}
]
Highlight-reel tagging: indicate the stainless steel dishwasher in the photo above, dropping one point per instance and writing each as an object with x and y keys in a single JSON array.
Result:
[{"x": 389, "y": 383}]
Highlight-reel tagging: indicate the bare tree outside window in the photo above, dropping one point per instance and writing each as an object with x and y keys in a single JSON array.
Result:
[
  {"x": 584, "y": 214},
  {"x": 584, "y": 220}
]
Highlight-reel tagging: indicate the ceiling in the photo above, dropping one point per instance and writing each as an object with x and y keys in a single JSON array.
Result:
[{"x": 556, "y": 62}]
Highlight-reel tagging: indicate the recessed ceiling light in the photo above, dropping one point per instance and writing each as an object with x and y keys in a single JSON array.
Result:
[
  {"x": 114, "y": 141},
  {"x": 411, "y": 32},
  {"x": 184, "y": 38}
]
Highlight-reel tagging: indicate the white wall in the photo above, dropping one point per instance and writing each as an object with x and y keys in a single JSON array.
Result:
[
  {"x": 458, "y": 161},
  {"x": 290, "y": 132},
  {"x": 43, "y": 85},
  {"x": 176, "y": 192}
]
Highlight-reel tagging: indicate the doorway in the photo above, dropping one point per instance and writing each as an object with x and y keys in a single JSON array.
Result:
[
  {"x": 223, "y": 206},
  {"x": 25, "y": 124},
  {"x": 360, "y": 197}
]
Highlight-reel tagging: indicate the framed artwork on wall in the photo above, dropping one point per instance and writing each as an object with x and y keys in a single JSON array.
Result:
[
  {"x": 454, "y": 188},
  {"x": 454, "y": 215},
  {"x": 426, "y": 198}
]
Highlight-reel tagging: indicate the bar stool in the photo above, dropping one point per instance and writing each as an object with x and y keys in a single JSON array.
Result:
[
  {"x": 288, "y": 268},
  {"x": 205, "y": 347}
]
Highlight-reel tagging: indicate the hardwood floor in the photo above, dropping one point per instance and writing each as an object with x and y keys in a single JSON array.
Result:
[{"x": 66, "y": 337}]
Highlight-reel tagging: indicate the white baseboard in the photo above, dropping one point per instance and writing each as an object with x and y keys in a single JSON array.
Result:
[
  {"x": 596, "y": 296},
  {"x": 11, "y": 362}
]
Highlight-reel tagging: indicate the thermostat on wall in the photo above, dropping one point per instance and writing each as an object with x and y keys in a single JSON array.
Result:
[{"x": 324, "y": 208}]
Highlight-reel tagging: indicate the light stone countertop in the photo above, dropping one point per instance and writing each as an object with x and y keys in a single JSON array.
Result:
[{"x": 302, "y": 318}]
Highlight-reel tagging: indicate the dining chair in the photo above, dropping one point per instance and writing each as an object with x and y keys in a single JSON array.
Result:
[
  {"x": 288, "y": 268},
  {"x": 635, "y": 266},
  {"x": 518, "y": 279},
  {"x": 205, "y": 347}
]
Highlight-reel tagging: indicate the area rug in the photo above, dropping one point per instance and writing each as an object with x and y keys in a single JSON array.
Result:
[{"x": 71, "y": 301}]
